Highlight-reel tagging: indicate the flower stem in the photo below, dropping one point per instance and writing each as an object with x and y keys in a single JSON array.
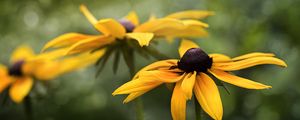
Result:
[
  {"x": 198, "y": 110},
  {"x": 139, "y": 109},
  {"x": 28, "y": 108}
]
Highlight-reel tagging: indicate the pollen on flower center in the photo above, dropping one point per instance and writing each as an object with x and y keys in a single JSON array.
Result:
[
  {"x": 16, "y": 68},
  {"x": 195, "y": 59},
  {"x": 129, "y": 26}
]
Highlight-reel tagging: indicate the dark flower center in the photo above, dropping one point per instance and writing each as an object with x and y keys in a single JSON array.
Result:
[
  {"x": 195, "y": 59},
  {"x": 16, "y": 68},
  {"x": 129, "y": 26}
]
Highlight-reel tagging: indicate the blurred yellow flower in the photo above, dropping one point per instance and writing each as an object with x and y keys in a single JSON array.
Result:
[
  {"x": 25, "y": 66},
  {"x": 182, "y": 24},
  {"x": 191, "y": 75}
]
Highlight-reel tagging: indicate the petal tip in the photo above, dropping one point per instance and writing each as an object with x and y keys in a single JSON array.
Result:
[{"x": 125, "y": 101}]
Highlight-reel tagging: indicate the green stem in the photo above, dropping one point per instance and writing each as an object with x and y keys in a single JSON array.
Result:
[
  {"x": 28, "y": 108},
  {"x": 139, "y": 109},
  {"x": 138, "y": 103},
  {"x": 198, "y": 110}
]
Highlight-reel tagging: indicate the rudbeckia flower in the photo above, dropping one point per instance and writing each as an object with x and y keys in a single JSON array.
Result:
[
  {"x": 120, "y": 35},
  {"x": 25, "y": 66},
  {"x": 192, "y": 73},
  {"x": 182, "y": 24}
]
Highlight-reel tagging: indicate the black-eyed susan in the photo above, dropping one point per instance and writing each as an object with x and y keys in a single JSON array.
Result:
[
  {"x": 191, "y": 75},
  {"x": 117, "y": 35},
  {"x": 25, "y": 66}
]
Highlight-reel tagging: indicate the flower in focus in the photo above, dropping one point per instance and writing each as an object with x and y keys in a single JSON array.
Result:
[
  {"x": 191, "y": 75},
  {"x": 117, "y": 35},
  {"x": 25, "y": 66}
]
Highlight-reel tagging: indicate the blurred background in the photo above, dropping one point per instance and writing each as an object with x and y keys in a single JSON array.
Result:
[{"x": 238, "y": 27}]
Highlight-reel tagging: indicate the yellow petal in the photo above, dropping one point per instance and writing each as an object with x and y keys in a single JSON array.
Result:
[
  {"x": 195, "y": 23},
  {"x": 88, "y": 14},
  {"x": 133, "y": 18},
  {"x": 143, "y": 38},
  {"x": 23, "y": 52},
  {"x": 89, "y": 44},
  {"x": 134, "y": 95},
  {"x": 162, "y": 75},
  {"x": 219, "y": 58},
  {"x": 48, "y": 70},
  {"x": 246, "y": 63},
  {"x": 160, "y": 25},
  {"x": 80, "y": 61},
  {"x": 178, "y": 103},
  {"x": 166, "y": 64},
  {"x": 238, "y": 81},
  {"x": 255, "y": 54},
  {"x": 188, "y": 85},
  {"x": 208, "y": 96},
  {"x": 20, "y": 89},
  {"x": 141, "y": 84},
  {"x": 191, "y": 14},
  {"x": 44, "y": 70},
  {"x": 4, "y": 78},
  {"x": 188, "y": 31},
  {"x": 51, "y": 55},
  {"x": 65, "y": 40},
  {"x": 111, "y": 27},
  {"x": 186, "y": 45}
]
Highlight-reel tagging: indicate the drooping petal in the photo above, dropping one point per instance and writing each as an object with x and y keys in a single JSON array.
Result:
[
  {"x": 143, "y": 38},
  {"x": 112, "y": 27},
  {"x": 178, "y": 103},
  {"x": 238, "y": 81},
  {"x": 133, "y": 18},
  {"x": 188, "y": 85},
  {"x": 89, "y": 44},
  {"x": 195, "y": 23},
  {"x": 255, "y": 54},
  {"x": 186, "y": 45},
  {"x": 48, "y": 70},
  {"x": 189, "y": 31},
  {"x": 207, "y": 94},
  {"x": 147, "y": 80},
  {"x": 4, "y": 78},
  {"x": 140, "y": 84},
  {"x": 160, "y": 25},
  {"x": 50, "y": 55},
  {"x": 219, "y": 58},
  {"x": 66, "y": 40},
  {"x": 134, "y": 95},
  {"x": 191, "y": 14},
  {"x": 88, "y": 14},
  {"x": 23, "y": 52},
  {"x": 80, "y": 61},
  {"x": 165, "y": 76},
  {"x": 246, "y": 63},
  {"x": 43, "y": 69},
  {"x": 20, "y": 89},
  {"x": 165, "y": 64}
]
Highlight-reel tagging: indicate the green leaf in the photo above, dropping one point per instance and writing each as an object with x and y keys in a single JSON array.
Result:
[
  {"x": 103, "y": 60},
  {"x": 128, "y": 55}
]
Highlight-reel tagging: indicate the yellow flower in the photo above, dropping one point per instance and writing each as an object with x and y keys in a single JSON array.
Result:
[
  {"x": 182, "y": 24},
  {"x": 191, "y": 76},
  {"x": 25, "y": 66}
]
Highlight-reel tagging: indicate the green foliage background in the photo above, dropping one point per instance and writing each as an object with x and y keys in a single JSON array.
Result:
[{"x": 238, "y": 27}]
